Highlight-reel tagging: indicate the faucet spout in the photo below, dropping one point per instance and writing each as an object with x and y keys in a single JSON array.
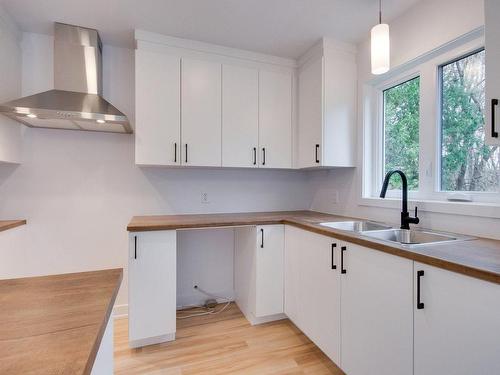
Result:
[{"x": 405, "y": 215}]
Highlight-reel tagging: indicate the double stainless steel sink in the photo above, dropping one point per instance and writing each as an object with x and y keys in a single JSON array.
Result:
[
  {"x": 356, "y": 226},
  {"x": 385, "y": 233}
]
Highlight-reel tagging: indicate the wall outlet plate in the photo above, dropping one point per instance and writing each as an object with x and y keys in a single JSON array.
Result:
[{"x": 204, "y": 198}]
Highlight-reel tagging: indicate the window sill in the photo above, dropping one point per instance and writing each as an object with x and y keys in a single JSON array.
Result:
[{"x": 490, "y": 210}]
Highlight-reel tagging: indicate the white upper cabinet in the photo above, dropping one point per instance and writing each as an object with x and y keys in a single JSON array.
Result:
[
  {"x": 457, "y": 323},
  {"x": 275, "y": 119},
  {"x": 327, "y": 106},
  {"x": 310, "y": 114},
  {"x": 377, "y": 312},
  {"x": 157, "y": 107},
  {"x": 240, "y": 116},
  {"x": 201, "y": 112},
  {"x": 204, "y": 105},
  {"x": 11, "y": 137},
  {"x": 492, "y": 22}
]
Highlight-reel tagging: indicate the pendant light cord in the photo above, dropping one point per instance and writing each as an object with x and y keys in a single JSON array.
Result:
[{"x": 379, "y": 11}]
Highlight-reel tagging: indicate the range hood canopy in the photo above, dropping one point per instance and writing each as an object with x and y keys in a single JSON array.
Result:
[{"x": 75, "y": 103}]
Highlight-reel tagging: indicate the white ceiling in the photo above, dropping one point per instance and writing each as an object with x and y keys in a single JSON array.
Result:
[{"x": 284, "y": 28}]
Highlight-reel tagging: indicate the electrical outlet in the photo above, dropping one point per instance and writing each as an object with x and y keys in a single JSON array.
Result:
[{"x": 204, "y": 198}]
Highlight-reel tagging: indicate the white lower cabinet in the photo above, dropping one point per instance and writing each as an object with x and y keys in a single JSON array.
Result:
[
  {"x": 258, "y": 272},
  {"x": 377, "y": 312},
  {"x": 457, "y": 329},
  {"x": 312, "y": 287},
  {"x": 104, "y": 360},
  {"x": 152, "y": 287}
]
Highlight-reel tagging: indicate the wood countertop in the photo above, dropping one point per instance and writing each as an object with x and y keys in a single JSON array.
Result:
[
  {"x": 9, "y": 224},
  {"x": 54, "y": 324},
  {"x": 479, "y": 258}
]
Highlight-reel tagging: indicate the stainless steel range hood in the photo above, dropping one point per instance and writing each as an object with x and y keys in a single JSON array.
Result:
[{"x": 76, "y": 102}]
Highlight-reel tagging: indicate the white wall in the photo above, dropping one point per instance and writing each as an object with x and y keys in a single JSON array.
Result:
[
  {"x": 426, "y": 26},
  {"x": 78, "y": 190},
  {"x": 205, "y": 258},
  {"x": 10, "y": 88}
]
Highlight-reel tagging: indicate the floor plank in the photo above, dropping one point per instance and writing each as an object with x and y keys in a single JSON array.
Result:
[{"x": 224, "y": 344}]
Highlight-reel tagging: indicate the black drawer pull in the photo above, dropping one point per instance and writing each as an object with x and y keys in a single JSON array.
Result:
[
  {"x": 186, "y": 152},
  {"x": 263, "y": 156},
  {"x": 255, "y": 156},
  {"x": 135, "y": 247},
  {"x": 317, "y": 149},
  {"x": 342, "y": 250},
  {"x": 494, "y": 103},
  {"x": 420, "y": 305},
  {"x": 175, "y": 152},
  {"x": 334, "y": 266},
  {"x": 262, "y": 238}
]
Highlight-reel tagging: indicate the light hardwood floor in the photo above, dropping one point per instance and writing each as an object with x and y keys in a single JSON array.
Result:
[{"x": 224, "y": 344}]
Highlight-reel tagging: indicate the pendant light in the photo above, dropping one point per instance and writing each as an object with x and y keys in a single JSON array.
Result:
[{"x": 380, "y": 46}]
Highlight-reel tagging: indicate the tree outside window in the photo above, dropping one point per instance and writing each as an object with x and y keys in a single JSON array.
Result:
[
  {"x": 467, "y": 163},
  {"x": 401, "y": 131}
]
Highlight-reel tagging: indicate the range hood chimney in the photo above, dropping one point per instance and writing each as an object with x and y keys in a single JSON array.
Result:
[{"x": 76, "y": 101}]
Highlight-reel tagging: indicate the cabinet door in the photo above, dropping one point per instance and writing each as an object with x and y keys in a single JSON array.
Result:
[
  {"x": 457, "y": 328},
  {"x": 275, "y": 119},
  {"x": 152, "y": 287},
  {"x": 157, "y": 108},
  {"x": 201, "y": 113},
  {"x": 240, "y": 116},
  {"x": 492, "y": 38},
  {"x": 376, "y": 312},
  {"x": 312, "y": 288},
  {"x": 310, "y": 114},
  {"x": 293, "y": 244},
  {"x": 320, "y": 293},
  {"x": 269, "y": 270}
]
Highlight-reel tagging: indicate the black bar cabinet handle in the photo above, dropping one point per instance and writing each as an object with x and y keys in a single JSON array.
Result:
[
  {"x": 494, "y": 103},
  {"x": 317, "y": 148},
  {"x": 175, "y": 152},
  {"x": 262, "y": 238},
  {"x": 342, "y": 250},
  {"x": 263, "y": 156},
  {"x": 186, "y": 152},
  {"x": 334, "y": 266},
  {"x": 420, "y": 305},
  {"x": 135, "y": 247},
  {"x": 255, "y": 156}
]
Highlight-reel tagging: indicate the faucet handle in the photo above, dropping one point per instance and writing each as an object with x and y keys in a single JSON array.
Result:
[{"x": 416, "y": 211}]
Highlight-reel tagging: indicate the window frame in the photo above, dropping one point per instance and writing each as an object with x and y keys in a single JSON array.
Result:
[{"x": 428, "y": 68}]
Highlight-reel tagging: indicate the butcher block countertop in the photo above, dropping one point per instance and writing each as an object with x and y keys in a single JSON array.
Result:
[
  {"x": 9, "y": 224},
  {"x": 479, "y": 258},
  {"x": 54, "y": 324}
]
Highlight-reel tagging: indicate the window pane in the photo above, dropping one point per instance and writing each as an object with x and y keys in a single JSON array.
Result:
[
  {"x": 467, "y": 164},
  {"x": 401, "y": 123}
]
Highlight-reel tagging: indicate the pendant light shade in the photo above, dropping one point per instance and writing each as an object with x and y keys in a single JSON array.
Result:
[
  {"x": 380, "y": 46},
  {"x": 381, "y": 50}
]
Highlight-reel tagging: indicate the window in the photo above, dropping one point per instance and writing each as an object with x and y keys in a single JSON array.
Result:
[
  {"x": 427, "y": 118},
  {"x": 467, "y": 164},
  {"x": 401, "y": 121}
]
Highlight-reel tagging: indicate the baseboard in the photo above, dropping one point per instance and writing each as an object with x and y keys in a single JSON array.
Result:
[
  {"x": 120, "y": 311},
  {"x": 151, "y": 340},
  {"x": 259, "y": 320}
]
